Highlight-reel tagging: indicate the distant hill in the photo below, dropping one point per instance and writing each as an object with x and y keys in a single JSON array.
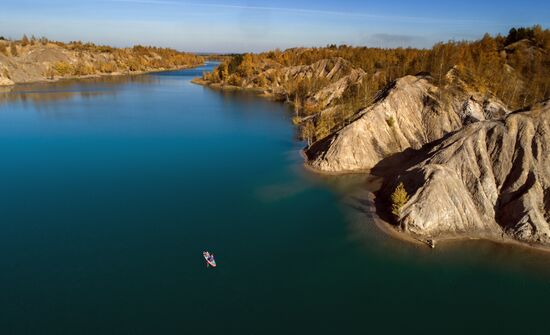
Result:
[{"x": 30, "y": 60}]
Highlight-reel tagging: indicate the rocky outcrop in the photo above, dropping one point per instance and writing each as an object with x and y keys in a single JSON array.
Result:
[
  {"x": 32, "y": 62},
  {"x": 411, "y": 112},
  {"x": 330, "y": 93},
  {"x": 471, "y": 168},
  {"x": 4, "y": 76},
  {"x": 489, "y": 179},
  {"x": 330, "y": 69},
  {"x": 328, "y": 79},
  {"x": 5, "y": 81}
]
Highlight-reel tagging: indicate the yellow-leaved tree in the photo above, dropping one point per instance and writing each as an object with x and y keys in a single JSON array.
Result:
[{"x": 399, "y": 198}]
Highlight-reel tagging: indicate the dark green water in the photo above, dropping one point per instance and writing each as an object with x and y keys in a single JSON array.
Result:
[{"x": 110, "y": 190}]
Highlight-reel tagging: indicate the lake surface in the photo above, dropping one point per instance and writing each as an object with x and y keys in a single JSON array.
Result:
[{"x": 111, "y": 188}]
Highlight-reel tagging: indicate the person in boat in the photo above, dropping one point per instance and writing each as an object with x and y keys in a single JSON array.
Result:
[{"x": 209, "y": 257}]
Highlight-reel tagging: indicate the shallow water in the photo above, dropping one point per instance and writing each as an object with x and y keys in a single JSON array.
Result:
[{"x": 111, "y": 188}]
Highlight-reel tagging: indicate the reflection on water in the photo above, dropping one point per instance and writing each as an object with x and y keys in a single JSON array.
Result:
[{"x": 41, "y": 95}]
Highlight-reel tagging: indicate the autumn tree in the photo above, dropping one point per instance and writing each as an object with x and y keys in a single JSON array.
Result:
[
  {"x": 262, "y": 81},
  {"x": 246, "y": 66},
  {"x": 223, "y": 71},
  {"x": 308, "y": 132},
  {"x": 324, "y": 126},
  {"x": 24, "y": 41},
  {"x": 63, "y": 68},
  {"x": 399, "y": 198}
]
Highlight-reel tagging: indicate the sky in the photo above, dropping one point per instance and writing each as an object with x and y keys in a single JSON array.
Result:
[{"x": 254, "y": 26}]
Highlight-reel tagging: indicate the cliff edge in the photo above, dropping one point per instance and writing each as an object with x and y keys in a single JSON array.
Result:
[
  {"x": 409, "y": 113},
  {"x": 490, "y": 179}
]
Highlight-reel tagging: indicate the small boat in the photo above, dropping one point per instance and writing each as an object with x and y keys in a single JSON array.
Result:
[{"x": 210, "y": 261}]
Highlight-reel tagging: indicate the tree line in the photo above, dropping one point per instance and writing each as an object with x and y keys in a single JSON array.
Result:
[{"x": 514, "y": 68}]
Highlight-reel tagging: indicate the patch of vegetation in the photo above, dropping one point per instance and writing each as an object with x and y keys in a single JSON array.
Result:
[
  {"x": 399, "y": 198},
  {"x": 296, "y": 120},
  {"x": 83, "y": 69},
  {"x": 63, "y": 69},
  {"x": 107, "y": 67},
  {"x": 390, "y": 121}
]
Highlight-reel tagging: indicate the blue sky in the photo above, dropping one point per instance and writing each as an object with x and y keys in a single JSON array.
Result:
[{"x": 238, "y": 26}]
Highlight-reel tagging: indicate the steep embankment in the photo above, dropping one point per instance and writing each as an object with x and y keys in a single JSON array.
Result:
[
  {"x": 489, "y": 179},
  {"x": 409, "y": 113},
  {"x": 320, "y": 83},
  {"x": 37, "y": 61}
]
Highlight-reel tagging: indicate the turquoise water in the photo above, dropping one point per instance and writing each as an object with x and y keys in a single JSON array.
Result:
[{"x": 111, "y": 188}]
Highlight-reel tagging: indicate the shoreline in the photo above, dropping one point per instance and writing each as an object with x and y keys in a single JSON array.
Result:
[
  {"x": 100, "y": 75},
  {"x": 390, "y": 230},
  {"x": 383, "y": 225},
  {"x": 216, "y": 86}
]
